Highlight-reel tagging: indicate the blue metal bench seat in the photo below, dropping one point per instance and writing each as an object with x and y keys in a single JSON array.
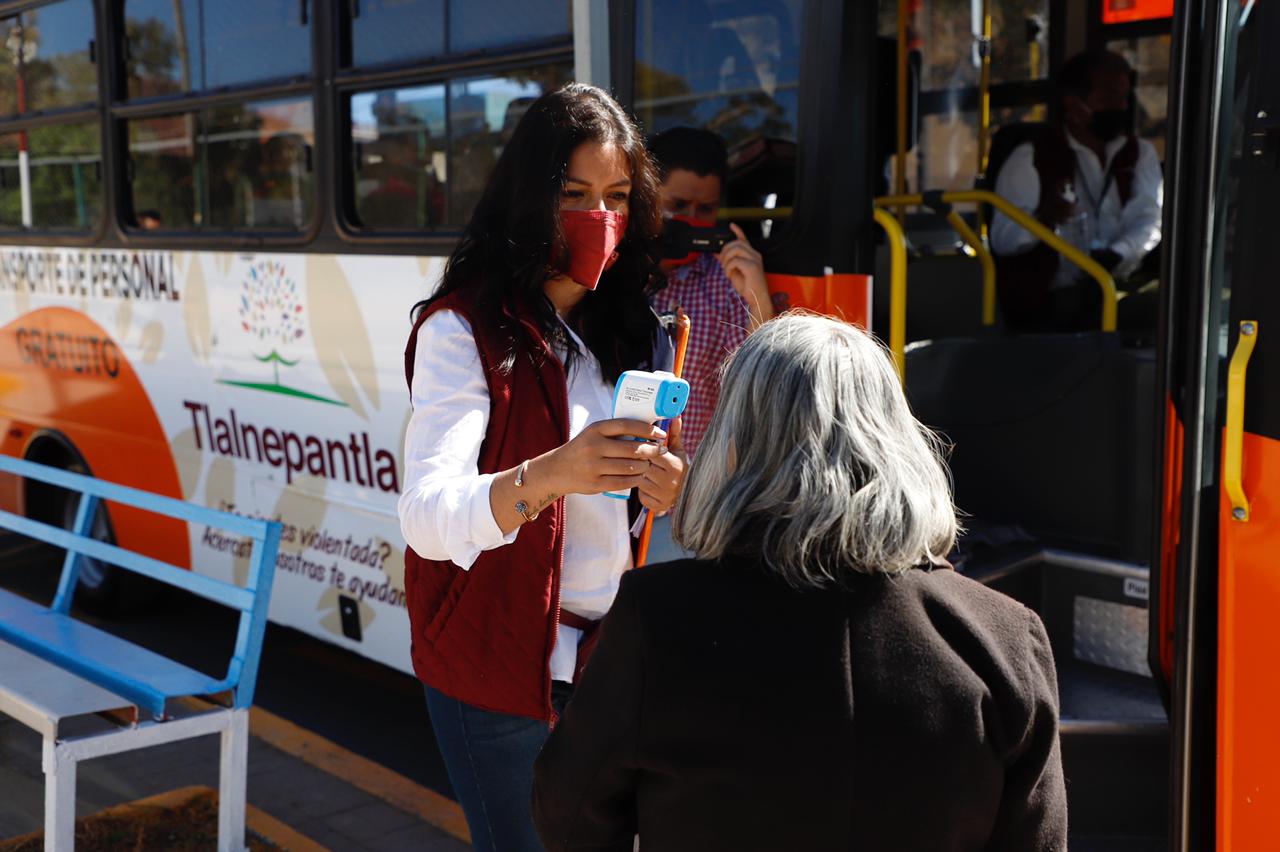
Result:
[
  {"x": 144, "y": 677},
  {"x": 54, "y": 667}
]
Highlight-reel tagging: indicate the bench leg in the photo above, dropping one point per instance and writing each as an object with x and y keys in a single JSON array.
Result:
[
  {"x": 59, "y": 799},
  {"x": 232, "y": 781}
]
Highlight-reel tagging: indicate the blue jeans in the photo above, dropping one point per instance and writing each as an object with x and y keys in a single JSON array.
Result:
[{"x": 489, "y": 757}]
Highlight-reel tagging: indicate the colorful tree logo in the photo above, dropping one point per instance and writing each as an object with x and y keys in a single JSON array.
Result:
[{"x": 272, "y": 313}]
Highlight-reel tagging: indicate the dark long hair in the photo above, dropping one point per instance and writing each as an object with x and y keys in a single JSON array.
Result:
[{"x": 504, "y": 256}]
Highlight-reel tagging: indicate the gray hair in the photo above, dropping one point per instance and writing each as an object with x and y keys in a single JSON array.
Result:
[{"x": 814, "y": 461}]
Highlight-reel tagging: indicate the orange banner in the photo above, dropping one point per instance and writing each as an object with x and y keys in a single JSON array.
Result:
[{"x": 846, "y": 296}]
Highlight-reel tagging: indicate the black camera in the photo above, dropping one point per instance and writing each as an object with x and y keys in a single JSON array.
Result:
[{"x": 680, "y": 239}]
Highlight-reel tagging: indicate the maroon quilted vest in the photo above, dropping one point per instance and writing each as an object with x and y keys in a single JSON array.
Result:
[{"x": 484, "y": 636}]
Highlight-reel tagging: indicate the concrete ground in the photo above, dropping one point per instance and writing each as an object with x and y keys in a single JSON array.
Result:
[{"x": 327, "y": 809}]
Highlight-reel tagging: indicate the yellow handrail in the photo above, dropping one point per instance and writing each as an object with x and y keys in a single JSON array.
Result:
[
  {"x": 1233, "y": 452},
  {"x": 961, "y": 227},
  {"x": 897, "y": 289},
  {"x": 1034, "y": 226}
]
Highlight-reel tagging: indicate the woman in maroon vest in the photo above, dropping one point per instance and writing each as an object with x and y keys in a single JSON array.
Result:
[{"x": 514, "y": 549}]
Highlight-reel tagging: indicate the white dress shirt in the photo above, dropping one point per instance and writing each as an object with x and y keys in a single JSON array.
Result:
[
  {"x": 1131, "y": 230},
  {"x": 444, "y": 510}
]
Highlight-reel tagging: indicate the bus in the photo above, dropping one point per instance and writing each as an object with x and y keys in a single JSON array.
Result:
[{"x": 214, "y": 218}]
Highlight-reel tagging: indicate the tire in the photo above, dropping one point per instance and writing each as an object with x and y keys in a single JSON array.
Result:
[{"x": 102, "y": 589}]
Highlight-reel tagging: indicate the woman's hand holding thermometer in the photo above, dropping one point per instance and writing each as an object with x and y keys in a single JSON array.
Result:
[{"x": 653, "y": 397}]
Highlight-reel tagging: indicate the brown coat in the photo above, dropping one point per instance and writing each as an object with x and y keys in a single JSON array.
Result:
[{"x": 725, "y": 711}]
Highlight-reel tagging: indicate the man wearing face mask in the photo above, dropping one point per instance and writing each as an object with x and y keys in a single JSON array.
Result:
[
  {"x": 1091, "y": 180},
  {"x": 726, "y": 294}
]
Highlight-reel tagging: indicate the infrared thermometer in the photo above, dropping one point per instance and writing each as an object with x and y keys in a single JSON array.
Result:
[{"x": 648, "y": 396}]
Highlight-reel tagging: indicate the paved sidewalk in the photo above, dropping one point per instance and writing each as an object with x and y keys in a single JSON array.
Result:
[{"x": 324, "y": 808}]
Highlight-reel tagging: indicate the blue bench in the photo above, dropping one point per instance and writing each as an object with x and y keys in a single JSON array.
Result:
[{"x": 54, "y": 668}]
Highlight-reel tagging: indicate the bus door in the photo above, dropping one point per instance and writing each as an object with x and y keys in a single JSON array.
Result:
[{"x": 1216, "y": 633}]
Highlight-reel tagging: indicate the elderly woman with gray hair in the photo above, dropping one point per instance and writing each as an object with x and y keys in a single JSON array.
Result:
[{"x": 818, "y": 678}]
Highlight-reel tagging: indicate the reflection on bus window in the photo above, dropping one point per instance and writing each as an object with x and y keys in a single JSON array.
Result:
[
  {"x": 63, "y": 180},
  {"x": 187, "y": 45},
  {"x": 244, "y": 167},
  {"x": 415, "y": 168},
  {"x": 473, "y": 26},
  {"x": 731, "y": 66},
  {"x": 400, "y": 157},
  {"x": 396, "y": 30},
  {"x": 259, "y": 170},
  {"x": 44, "y": 58},
  {"x": 483, "y": 112},
  {"x": 162, "y": 157}
]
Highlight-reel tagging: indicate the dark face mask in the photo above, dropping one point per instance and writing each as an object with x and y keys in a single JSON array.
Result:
[{"x": 1107, "y": 124}]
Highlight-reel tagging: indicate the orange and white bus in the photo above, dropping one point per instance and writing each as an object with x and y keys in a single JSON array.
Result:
[{"x": 215, "y": 216}]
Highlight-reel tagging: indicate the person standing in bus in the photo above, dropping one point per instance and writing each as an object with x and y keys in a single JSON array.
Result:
[
  {"x": 514, "y": 550},
  {"x": 726, "y": 294},
  {"x": 1087, "y": 177}
]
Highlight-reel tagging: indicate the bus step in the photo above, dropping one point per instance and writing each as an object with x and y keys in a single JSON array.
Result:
[{"x": 1115, "y": 755}]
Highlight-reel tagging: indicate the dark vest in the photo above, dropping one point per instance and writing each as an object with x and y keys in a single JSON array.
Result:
[
  {"x": 484, "y": 636},
  {"x": 1023, "y": 279}
]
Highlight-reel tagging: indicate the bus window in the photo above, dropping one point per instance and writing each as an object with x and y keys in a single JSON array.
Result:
[
  {"x": 396, "y": 30},
  {"x": 412, "y": 168},
  {"x": 732, "y": 66},
  {"x": 65, "y": 178},
  {"x": 400, "y": 157},
  {"x": 49, "y": 47},
  {"x": 190, "y": 45},
  {"x": 473, "y": 26},
  {"x": 240, "y": 167},
  {"x": 385, "y": 31}
]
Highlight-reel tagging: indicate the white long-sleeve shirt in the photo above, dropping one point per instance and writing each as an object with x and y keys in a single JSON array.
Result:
[
  {"x": 1130, "y": 230},
  {"x": 444, "y": 509}
]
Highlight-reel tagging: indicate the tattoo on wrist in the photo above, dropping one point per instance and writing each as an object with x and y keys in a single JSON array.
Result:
[{"x": 545, "y": 502}]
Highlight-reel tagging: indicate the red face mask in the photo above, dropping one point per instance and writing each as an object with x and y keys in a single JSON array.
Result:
[
  {"x": 592, "y": 237},
  {"x": 696, "y": 223}
]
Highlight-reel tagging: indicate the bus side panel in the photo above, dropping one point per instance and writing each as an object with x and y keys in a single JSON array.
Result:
[{"x": 1248, "y": 684}]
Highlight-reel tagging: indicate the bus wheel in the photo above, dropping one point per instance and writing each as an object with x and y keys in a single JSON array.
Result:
[{"x": 103, "y": 589}]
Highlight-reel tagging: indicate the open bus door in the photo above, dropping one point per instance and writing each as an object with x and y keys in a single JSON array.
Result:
[{"x": 1214, "y": 634}]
